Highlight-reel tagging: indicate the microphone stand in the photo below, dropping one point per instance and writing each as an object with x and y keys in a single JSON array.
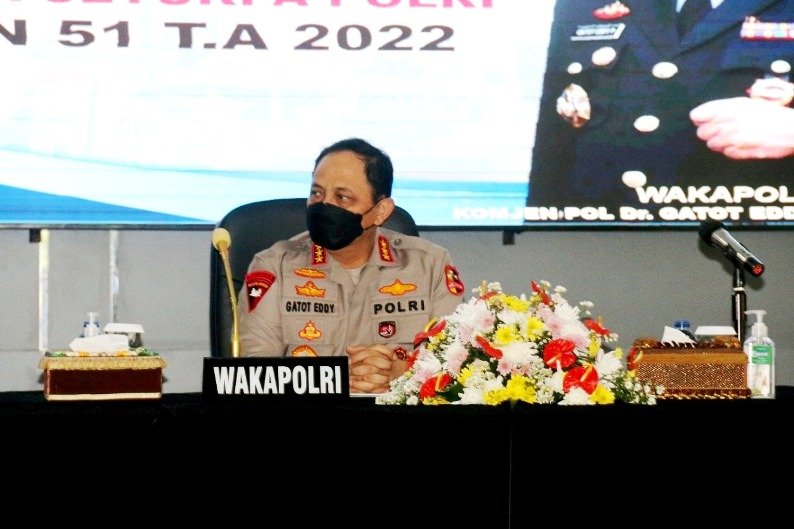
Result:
[
  {"x": 224, "y": 251},
  {"x": 739, "y": 303}
]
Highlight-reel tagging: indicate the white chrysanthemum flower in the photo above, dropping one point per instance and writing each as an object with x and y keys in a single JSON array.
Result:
[
  {"x": 511, "y": 317},
  {"x": 555, "y": 381},
  {"x": 425, "y": 366},
  {"x": 455, "y": 355},
  {"x": 471, "y": 395},
  {"x": 517, "y": 354},
  {"x": 607, "y": 364},
  {"x": 576, "y": 397},
  {"x": 567, "y": 313}
]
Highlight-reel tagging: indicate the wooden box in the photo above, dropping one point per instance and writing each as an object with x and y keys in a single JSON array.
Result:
[
  {"x": 693, "y": 372},
  {"x": 102, "y": 377}
]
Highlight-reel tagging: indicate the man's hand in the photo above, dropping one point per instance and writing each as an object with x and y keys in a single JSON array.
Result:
[
  {"x": 371, "y": 368},
  {"x": 745, "y": 128}
]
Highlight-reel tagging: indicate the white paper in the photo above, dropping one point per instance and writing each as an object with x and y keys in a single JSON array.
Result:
[
  {"x": 672, "y": 335},
  {"x": 104, "y": 343}
]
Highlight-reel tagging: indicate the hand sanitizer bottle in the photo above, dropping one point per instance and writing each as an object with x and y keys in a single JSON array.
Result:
[
  {"x": 91, "y": 326},
  {"x": 760, "y": 350}
]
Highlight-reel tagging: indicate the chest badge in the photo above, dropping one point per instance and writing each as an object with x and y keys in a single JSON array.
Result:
[
  {"x": 387, "y": 329},
  {"x": 397, "y": 288},
  {"x": 303, "y": 350},
  {"x": 310, "y": 332},
  {"x": 310, "y": 272},
  {"x": 310, "y": 290},
  {"x": 611, "y": 11}
]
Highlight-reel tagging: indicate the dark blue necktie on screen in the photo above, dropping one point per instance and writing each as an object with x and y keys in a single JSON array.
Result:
[{"x": 691, "y": 12}]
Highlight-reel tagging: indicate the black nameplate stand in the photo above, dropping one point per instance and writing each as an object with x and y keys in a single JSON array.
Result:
[{"x": 322, "y": 378}]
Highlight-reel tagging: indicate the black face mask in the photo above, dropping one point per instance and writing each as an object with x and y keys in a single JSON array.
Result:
[{"x": 333, "y": 227}]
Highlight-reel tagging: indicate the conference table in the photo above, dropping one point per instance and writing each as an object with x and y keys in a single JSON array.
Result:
[{"x": 504, "y": 459}]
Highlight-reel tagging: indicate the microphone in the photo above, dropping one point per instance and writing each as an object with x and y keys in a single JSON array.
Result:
[
  {"x": 715, "y": 234},
  {"x": 221, "y": 240}
]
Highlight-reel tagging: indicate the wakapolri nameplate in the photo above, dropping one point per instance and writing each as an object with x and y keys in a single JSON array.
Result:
[{"x": 315, "y": 378}]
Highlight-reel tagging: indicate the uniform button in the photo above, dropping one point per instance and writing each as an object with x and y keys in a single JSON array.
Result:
[
  {"x": 646, "y": 123},
  {"x": 604, "y": 56},
  {"x": 664, "y": 70},
  {"x": 780, "y": 67},
  {"x": 634, "y": 179},
  {"x": 575, "y": 68}
]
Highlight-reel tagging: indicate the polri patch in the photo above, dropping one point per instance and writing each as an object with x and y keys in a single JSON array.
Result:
[
  {"x": 452, "y": 277},
  {"x": 257, "y": 283}
]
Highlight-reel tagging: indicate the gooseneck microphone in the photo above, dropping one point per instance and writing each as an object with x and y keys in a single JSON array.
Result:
[
  {"x": 221, "y": 240},
  {"x": 715, "y": 234}
]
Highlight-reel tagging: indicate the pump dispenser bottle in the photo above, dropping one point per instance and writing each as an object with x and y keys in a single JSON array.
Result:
[{"x": 760, "y": 350}]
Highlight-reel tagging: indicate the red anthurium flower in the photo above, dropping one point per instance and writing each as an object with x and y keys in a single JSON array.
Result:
[
  {"x": 597, "y": 328},
  {"x": 489, "y": 349},
  {"x": 635, "y": 353},
  {"x": 431, "y": 329},
  {"x": 544, "y": 296},
  {"x": 585, "y": 377},
  {"x": 409, "y": 362},
  {"x": 559, "y": 350},
  {"x": 434, "y": 384}
]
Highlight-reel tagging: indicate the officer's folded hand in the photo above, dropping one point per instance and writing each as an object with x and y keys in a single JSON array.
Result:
[
  {"x": 370, "y": 368},
  {"x": 745, "y": 128}
]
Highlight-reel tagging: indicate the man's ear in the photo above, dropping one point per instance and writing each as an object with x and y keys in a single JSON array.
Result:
[{"x": 384, "y": 210}]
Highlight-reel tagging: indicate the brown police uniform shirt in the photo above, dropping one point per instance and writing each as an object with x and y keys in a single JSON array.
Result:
[{"x": 298, "y": 301}]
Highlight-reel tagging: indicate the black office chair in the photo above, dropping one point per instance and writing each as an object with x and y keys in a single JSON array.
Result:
[{"x": 254, "y": 227}]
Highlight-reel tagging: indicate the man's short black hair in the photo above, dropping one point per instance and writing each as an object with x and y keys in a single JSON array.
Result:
[{"x": 377, "y": 164}]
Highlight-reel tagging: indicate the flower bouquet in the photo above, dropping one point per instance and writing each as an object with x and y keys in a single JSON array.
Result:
[{"x": 499, "y": 348}]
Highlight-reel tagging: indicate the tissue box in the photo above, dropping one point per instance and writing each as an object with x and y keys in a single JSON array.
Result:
[{"x": 102, "y": 377}]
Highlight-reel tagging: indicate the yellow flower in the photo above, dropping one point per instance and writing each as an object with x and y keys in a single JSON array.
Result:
[
  {"x": 519, "y": 387},
  {"x": 515, "y": 303},
  {"x": 534, "y": 328},
  {"x": 504, "y": 335},
  {"x": 594, "y": 347},
  {"x": 602, "y": 395},
  {"x": 494, "y": 397}
]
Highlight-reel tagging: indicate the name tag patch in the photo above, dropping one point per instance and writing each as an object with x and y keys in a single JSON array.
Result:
[
  {"x": 309, "y": 307},
  {"x": 610, "y": 31}
]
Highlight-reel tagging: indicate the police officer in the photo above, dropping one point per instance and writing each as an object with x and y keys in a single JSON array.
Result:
[
  {"x": 620, "y": 85},
  {"x": 347, "y": 285}
]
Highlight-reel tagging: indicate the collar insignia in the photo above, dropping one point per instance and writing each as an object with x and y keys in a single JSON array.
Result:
[{"x": 384, "y": 249}]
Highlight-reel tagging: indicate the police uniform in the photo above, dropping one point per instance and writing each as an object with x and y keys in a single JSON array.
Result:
[
  {"x": 638, "y": 83},
  {"x": 298, "y": 301}
]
